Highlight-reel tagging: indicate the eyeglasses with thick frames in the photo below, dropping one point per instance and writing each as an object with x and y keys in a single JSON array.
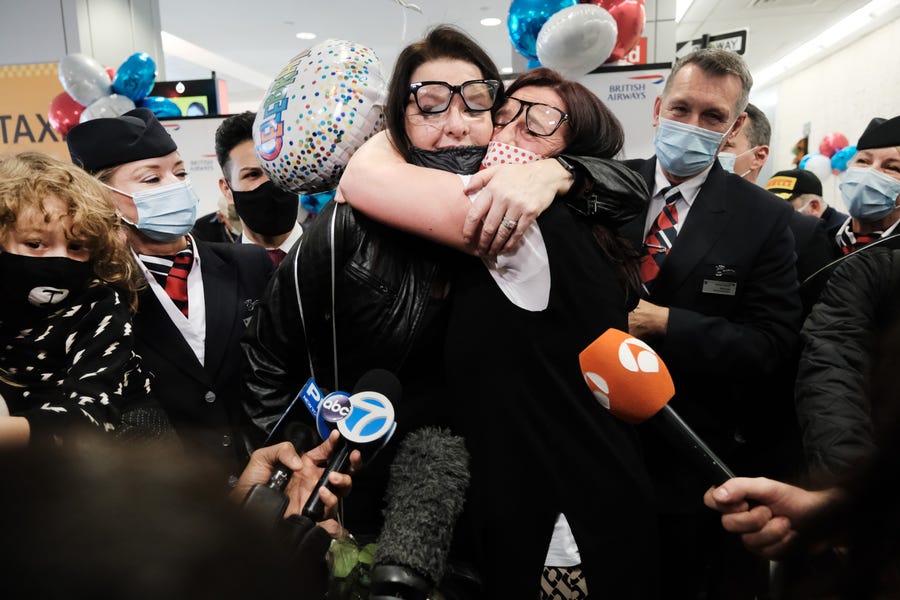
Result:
[
  {"x": 434, "y": 97},
  {"x": 540, "y": 119}
]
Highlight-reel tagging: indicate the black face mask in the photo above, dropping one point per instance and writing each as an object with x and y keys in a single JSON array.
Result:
[
  {"x": 267, "y": 210},
  {"x": 31, "y": 287},
  {"x": 462, "y": 160}
]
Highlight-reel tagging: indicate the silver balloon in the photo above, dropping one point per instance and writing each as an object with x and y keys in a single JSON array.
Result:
[
  {"x": 113, "y": 105},
  {"x": 577, "y": 39},
  {"x": 84, "y": 78}
]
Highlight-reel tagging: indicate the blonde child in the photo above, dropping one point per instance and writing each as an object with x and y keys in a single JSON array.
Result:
[{"x": 67, "y": 289}]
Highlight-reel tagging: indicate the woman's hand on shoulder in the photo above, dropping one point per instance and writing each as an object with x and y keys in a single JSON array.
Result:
[{"x": 510, "y": 198}]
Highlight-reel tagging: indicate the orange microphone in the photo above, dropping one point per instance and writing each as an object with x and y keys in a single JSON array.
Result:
[{"x": 630, "y": 379}]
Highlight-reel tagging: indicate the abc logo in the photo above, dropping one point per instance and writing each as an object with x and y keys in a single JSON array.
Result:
[
  {"x": 371, "y": 417},
  {"x": 600, "y": 388},
  {"x": 636, "y": 356},
  {"x": 335, "y": 406}
]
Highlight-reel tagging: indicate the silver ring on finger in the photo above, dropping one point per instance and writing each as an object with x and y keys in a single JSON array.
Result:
[{"x": 509, "y": 223}]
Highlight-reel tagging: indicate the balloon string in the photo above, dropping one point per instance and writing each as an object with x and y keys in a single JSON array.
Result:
[{"x": 403, "y": 33}]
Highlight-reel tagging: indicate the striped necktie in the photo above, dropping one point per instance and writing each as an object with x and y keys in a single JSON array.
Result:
[
  {"x": 171, "y": 272},
  {"x": 851, "y": 242},
  {"x": 661, "y": 237}
]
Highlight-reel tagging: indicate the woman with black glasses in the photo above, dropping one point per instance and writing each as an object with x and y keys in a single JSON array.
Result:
[
  {"x": 353, "y": 294},
  {"x": 541, "y": 444}
]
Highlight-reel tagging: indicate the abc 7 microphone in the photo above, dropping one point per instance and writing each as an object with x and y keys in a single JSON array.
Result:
[
  {"x": 365, "y": 421},
  {"x": 267, "y": 503},
  {"x": 633, "y": 383}
]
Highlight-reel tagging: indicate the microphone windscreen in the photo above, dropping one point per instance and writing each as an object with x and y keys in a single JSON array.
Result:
[
  {"x": 381, "y": 381},
  {"x": 425, "y": 495},
  {"x": 626, "y": 376}
]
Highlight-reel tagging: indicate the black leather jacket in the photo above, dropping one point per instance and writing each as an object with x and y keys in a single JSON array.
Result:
[{"x": 382, "y": 285}]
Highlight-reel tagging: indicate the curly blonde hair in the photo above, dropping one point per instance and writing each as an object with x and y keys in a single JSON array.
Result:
[{"x": 28, "y": 178}]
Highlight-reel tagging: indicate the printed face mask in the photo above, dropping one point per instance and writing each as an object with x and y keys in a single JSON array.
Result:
[
  {"x": 499, "y": 153},
  {"x": 165, "y": 213},
  {"x": 267, "y": 210},
  {"x": 683, "y": 149},
  {"x": 30, "y": 286},
  {"x": 869, "y": 194}
]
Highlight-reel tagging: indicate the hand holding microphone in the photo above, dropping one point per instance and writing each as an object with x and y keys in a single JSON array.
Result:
[
  {"x": 366, "y": 423},
  {"x": 632, "y": 381}
]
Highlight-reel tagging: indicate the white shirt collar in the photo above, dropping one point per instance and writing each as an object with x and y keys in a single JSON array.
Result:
[
  {"x": 287, "y": 244},
  {"x": 689, "y": 189}
]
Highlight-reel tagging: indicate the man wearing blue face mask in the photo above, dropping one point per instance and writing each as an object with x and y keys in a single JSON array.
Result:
[
  {"x": 199, "y": 295},
  {"x": 745, "y": 155},
  {"x": 870, "y": 187},
  {"x": 720, "y": 305},
  {"x": 747, "y": 152}
]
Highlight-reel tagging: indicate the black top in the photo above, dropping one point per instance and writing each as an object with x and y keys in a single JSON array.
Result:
[
  {"x": 75, "y": 366},
  {"x": 540, "y": 442}
]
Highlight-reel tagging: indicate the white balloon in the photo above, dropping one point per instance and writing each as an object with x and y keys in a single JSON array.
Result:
[
  {"x": 317, "y": 112},
  {"x": 84, "y": 78},
  {"x": 577, "y": 39},
  {"x": 113, "y": 105},
  {"x": 819, "y": 165}
]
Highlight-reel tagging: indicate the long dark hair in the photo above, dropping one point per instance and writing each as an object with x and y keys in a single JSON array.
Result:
[
  {"x": 443, "y": 41},
  {"x": 591, "y": 130}
]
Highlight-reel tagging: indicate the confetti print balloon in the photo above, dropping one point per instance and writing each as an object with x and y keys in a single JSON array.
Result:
[{"x": 321, "y": 107}]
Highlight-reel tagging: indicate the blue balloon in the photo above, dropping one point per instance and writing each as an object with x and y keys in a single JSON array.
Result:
[
  {"x": 842, "y": 157},
  {"x": 316, "y": 202},
  {"x": 526, "y": 17},
  {"x": 533, "y": 63},
  {"x": 161, "y": 107},
  {"x": 136, "y": 76},
  {"x": 803, "y": 161}
]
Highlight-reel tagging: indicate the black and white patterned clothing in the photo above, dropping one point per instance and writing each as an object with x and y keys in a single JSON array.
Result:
[{"x": 74, "y": 366}]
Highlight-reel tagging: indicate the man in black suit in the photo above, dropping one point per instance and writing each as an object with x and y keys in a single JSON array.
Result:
[
  {"x": 222, "y": 225},
  {"x": 268, "y": 215},
  {"x": 751, "y": 149},
  {"x": 720, "y": 303},
  {"x": 198, "y": 295}
]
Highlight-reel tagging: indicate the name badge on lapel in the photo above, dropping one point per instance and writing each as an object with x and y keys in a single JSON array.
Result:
[{"x": 721, "y": 287}]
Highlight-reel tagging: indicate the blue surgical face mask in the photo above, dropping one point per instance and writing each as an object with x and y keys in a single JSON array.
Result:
[
  {"x": 683, "y": 149},
  {"x": 727, "y": 160},
  {"x": 165, "y": 213},
  {"x": 869, "y": 194}
]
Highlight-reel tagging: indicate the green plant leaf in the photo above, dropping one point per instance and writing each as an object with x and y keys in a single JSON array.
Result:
[
  {"x": 345, "y": 556},
  {"x": 367, "y": 554}
]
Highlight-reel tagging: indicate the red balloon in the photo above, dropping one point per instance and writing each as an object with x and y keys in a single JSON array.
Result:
[
  {"x": 833, "y": 142},
  {"x": 630, "y": 18},
  {"x": 64, "y": 113},
  {"x": 111, "y": 72}
]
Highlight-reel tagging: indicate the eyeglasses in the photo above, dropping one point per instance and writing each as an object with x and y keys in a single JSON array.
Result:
[
  {"x": 540, "y": 119},
  {"x": 434, "y": 97}
]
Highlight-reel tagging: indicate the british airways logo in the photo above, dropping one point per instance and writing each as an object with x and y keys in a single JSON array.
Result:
[{"x": 655, "y": 78}]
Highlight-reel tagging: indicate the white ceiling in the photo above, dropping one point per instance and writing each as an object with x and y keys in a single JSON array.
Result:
[{"x": 259, "y": 37}]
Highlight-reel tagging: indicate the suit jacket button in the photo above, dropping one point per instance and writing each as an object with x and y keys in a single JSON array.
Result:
[
  {"x": 226, "y": 440},
  {"x": 210, "y": 396}
]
